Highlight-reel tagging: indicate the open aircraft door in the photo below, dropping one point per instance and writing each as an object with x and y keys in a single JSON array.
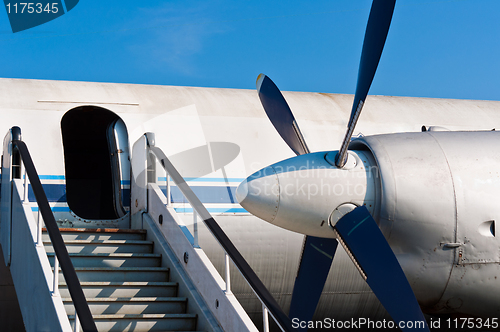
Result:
[{"x": 97, "y": 165}]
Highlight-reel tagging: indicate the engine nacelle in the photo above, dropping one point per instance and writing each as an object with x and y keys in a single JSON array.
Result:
[
  {"x": 440, "y": 194},
  {"x": 435, "y": 195}
]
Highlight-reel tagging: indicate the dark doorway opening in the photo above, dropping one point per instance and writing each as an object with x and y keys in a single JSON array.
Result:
[{"x": 93, "y": 186}]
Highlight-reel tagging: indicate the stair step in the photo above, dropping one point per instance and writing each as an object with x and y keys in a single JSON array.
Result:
[
  {"x": 120, "y": 274},
  {"x": 112, "y": 260},
  {"x": 98, "y": 234},
  {"x": 144, "y": 322},
  {"x": 98, "y": 289},
  {"x": 108, "y": 246},
  {"x": 134, "y": 305}
]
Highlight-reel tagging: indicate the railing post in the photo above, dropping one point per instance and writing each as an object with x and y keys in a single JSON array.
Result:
[
  {"x": 25, "y": 194},
  {"x": 265, "y": 318},
  {"x": 55, "y": 286},
  {"x": 195, "y": 229},
  {"x": 39, "y": 241},
  {"x": 228, "y": 277},
  {"x": 169, "y": 199},
  {"x": 76, "y": 328}
]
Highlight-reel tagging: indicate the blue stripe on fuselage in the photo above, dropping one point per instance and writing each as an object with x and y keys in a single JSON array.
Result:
[{"x": 207, "y": 194}]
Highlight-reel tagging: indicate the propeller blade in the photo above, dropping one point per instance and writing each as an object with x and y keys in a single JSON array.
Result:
[
  {"x": 375, "y": 36},
  {"x": 317, "y": 256},
  {"x": 317, "y": 253},
  {"x": 359, "y": 234},
  {"x": 280, "y": 114}
]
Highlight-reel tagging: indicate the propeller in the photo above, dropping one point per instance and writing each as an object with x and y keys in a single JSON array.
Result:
[
  {"x": 356, "y": 231},
  {"x": 317, "y": 253},
  {"x": 375, "y": 36}
]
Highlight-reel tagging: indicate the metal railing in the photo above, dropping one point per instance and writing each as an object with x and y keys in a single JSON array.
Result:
[
  {"x": 20, "y": 154},
  {"x": 269, "y": 304}
]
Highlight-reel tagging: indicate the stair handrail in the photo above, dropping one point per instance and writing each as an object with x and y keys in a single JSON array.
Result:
[
  {"x": 258, "y": 287},
  {"x": 75, "y": 289}
]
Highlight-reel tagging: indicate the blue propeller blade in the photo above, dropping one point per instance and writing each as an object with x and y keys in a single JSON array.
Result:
[
  {"x": 368, "y": 247},
  {"x": 280, "y": 114},
  {"x": 373, "y": 45},
  {"x": 317, "y": 256}
]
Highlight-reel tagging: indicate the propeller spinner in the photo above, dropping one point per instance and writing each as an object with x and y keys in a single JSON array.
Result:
[{"x": 271, "y": 195}]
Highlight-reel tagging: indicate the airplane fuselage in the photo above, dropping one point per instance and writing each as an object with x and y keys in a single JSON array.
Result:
[{"x": 446, "y": 183}]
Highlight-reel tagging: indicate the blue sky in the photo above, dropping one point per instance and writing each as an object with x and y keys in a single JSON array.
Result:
[{"x": 435, "y": 48}]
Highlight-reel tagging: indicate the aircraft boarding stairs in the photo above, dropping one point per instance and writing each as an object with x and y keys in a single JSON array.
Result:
[
  {"x": 123, "y": 281},
  {"x": 149, "y": 276}
]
